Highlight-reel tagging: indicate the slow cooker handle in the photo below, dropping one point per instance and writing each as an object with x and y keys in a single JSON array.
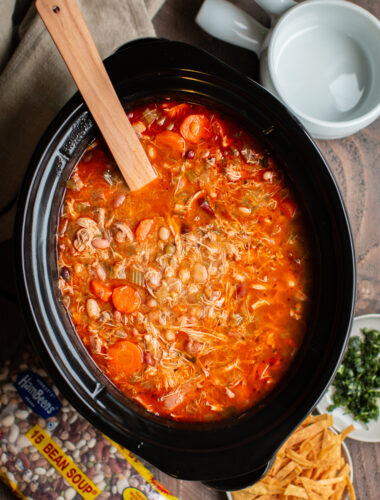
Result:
[{"x": 240, "y": 482}]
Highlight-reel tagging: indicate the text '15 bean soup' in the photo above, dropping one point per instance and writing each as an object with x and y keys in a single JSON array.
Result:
[{"x": 191, "y": 295}]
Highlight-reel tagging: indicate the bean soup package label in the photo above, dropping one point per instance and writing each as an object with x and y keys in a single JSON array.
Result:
[{"x": 49, "y": 452}]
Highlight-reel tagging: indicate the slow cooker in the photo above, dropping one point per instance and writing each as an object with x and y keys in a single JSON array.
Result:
[{"x": 229, "y": 454}]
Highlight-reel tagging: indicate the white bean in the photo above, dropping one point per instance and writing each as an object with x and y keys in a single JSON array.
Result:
[
  {"x": 199, "y": 273},
  {"x": 70, "y": 494},
  {"x": 184, "y": 275},
  {"x": 267, "y": 176},
  {"x": 23, "y": 442},
  {"x": 22, "y": 414},
  {"x": 91, "y": 443},
  {"x": 100, "y": 272},
  {"x": 14, "y": 434},
  {"x": 164, "y": 233},
  {"x": 244, "y": 210},
  {"x": 8, "y": 420},
  {"x": 93, "y": 309}
]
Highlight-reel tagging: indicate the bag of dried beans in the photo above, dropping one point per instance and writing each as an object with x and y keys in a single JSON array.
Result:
[{"x": 49, "y": 452}]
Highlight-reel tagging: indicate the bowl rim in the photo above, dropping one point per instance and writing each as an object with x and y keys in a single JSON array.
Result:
[{"x": 329, "y": 125}]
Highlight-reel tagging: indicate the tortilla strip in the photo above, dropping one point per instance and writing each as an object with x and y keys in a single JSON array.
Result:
[
  {"x": 299, "y": 458},
  {"x": 309, "y": 431},
  {"x": 297, "y": 491}
]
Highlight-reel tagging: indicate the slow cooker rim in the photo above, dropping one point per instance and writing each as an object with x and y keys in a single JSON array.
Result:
[{"x": 58, "y": 121}]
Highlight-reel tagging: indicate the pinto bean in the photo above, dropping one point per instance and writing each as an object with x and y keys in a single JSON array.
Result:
[
  {"x": 100, "y": 243},
  {"x": 119, "y": 200}
]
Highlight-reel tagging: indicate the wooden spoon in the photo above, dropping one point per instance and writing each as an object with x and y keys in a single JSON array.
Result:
[{"x": 69, "y": 31}]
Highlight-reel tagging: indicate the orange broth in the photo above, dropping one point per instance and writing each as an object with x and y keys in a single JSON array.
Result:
[{"x": 191, "y": 294}]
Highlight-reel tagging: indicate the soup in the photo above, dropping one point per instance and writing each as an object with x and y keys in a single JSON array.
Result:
[{"x": 191, "y": 294}]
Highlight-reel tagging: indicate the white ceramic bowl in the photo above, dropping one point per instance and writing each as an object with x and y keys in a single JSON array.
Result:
[
  {"x": 324, "y": 64},
  {"x": 320, "y": 57}
]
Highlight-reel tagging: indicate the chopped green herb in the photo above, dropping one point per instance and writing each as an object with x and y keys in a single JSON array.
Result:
[
  {"x": 357, "y": 383},
  {"x": 263, "y": 161}
]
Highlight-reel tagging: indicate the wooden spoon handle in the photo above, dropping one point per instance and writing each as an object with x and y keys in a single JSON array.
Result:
[{"x": 69, "y": 31}]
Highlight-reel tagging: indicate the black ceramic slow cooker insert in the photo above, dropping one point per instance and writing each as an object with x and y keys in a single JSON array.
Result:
[{"x": 233, "y": 453}]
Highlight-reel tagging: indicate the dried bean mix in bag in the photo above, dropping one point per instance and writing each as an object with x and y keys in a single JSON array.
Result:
[{"x": 51, "y": 453}]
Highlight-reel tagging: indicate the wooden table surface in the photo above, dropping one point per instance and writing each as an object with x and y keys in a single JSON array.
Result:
[{"x": 354, "y": 164}]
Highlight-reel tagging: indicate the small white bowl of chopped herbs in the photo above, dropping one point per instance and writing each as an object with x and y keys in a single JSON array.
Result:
[{"x": 354, "y": 395}]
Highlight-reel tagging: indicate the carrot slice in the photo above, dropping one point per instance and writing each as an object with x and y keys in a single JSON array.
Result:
[
  {"x": 124, "y": 358},
  {"x": 220, "y": 128},
  {"x": 101, "y": 290},
  {"x": 171, "y": 140},
  {"x": 126, "y": 299},
  {"x": 177, "y": 110},
  {"x": 143, "y": 229},
  {"x": 194, "y": 128}
]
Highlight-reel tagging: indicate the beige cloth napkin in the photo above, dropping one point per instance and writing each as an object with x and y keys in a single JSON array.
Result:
[{"x": 35, "y": 83}]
